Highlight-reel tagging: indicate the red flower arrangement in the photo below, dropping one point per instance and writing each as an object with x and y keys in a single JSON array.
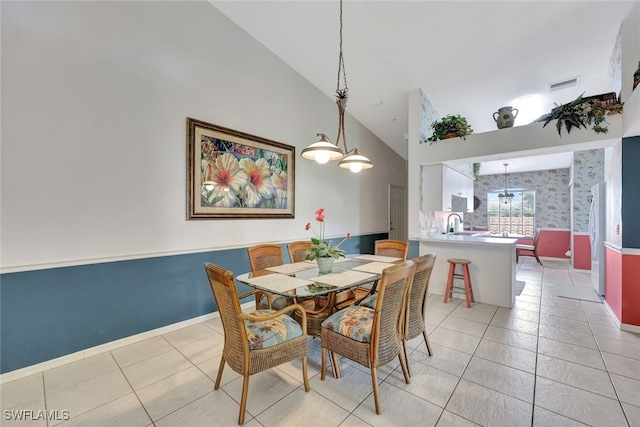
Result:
[{"x": 320, "y": 247}]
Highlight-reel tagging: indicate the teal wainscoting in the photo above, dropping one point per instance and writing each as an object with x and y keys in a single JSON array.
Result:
[
  {"x": 414, "y": 249},
  {"x": 45, "y": 314}
]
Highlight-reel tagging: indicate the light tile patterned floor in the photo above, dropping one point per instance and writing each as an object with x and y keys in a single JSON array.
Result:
[{"x": 549, "y": 361}]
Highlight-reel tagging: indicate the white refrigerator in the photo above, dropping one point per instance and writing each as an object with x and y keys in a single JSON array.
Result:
[{"x": 597, "y": 230}]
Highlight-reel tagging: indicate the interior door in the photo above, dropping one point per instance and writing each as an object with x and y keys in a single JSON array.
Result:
[{"x": 397, "y": 213}]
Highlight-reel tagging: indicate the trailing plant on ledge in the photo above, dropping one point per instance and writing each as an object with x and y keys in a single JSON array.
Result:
[
  {"x": 582, "y": 112},
  {"x": 450, "y": 126}
]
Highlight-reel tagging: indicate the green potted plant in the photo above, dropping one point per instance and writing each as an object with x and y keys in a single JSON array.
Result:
[
  {"x": 583, "y": 112},
  {"x": 450, "y": 126},
  {"x": 323, "y": 251}
]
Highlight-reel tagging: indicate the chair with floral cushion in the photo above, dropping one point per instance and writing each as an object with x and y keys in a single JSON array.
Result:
[
  {"x": 254, "y": 342},
  {"x": 391, "y": 248},
  {"x": 261, "y": 257},
  {"x": 415, "y": 306},
  {"x": 370, "y": 336},
  {"x": 297, "y": 250}
]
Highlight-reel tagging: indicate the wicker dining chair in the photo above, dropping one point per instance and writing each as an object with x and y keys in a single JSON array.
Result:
[
  {"x": 261, "y": 257},
  {"x": 415, "y": 306},
  {"x": 296, "y": 250},
  {"x": 370, "y": 336},
  {"x": 391, "y": 248},
  {"x": 254, "y": 342}
]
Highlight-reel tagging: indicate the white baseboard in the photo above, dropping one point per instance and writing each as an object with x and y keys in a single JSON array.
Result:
[
  {"x": 630, "y": 328},
  {"x": 619, "y": 324},
  {"x": 112, "y": 345},
  {"x": 611, "y": 313}
]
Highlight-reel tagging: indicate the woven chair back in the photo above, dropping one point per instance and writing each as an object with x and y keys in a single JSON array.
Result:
[
  {"x": 296, "y": 250},
  {"x": 417, "y": 297},
  {"x": 386, "y": 334},
  {"x": 392, "y": 248},
  {"x": 226, "y": 296},
  {"x": 264, "y": 256}
]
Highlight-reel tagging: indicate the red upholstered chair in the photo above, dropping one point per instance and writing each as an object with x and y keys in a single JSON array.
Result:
[{"x": 529, "y": 250}]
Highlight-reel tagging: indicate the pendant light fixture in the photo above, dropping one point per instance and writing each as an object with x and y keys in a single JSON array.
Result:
[
  {"x": 505, "y": 197},
  {"x": 324, "y": 150}
]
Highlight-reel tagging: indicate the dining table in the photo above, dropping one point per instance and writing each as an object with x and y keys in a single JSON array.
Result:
[{"x": 352, "y": 279}]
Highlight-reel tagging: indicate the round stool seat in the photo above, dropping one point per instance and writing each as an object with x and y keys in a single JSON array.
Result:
[{"x": 459, "y": 261}]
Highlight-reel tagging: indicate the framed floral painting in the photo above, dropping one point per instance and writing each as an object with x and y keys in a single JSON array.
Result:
[{"x": 231, "y": 174}]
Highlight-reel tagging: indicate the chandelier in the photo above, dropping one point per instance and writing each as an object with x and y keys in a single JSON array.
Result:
[
  {"x": 505, "y": 197},
  {"x": 324, "y": 150}
]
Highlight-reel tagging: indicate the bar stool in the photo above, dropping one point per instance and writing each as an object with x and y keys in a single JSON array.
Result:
[{"x": 468, "y": 290}]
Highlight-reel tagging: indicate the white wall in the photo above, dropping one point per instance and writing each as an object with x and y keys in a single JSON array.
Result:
[
  {"x": 613, "y": 193},
  {"x": 95, "y": 97}
]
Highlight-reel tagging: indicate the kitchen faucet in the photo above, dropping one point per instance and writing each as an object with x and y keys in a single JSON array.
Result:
[{"x": 450, "y": 215}]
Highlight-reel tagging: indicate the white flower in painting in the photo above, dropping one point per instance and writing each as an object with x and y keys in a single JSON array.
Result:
[
  {"x": 224, "y": 179},
  {"x": 260, "y": 186},
  {"x": 280, "y": 184}
]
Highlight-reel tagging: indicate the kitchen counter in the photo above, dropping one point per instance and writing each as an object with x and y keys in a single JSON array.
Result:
[
  {"x": 492, "y": 268},
  {"x": 469, "y": 239}
]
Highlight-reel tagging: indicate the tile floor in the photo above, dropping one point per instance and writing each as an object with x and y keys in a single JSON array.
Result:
[{"x": 549, "y": 361}]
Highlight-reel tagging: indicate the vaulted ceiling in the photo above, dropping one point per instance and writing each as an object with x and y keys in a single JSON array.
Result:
[{"x": 469, "y": 57}]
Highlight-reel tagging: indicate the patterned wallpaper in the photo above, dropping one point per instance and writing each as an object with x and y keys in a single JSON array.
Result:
[
  {"x": 588, "y": 169},
  {"x": 428, "y": 115},
  {"x": 552, "y": 196},
  {"x": 466, "y": 169}
]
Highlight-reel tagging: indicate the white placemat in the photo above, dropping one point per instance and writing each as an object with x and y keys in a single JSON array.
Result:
[
  {"x": 373, "y": 267},
  {"x": 379, "y": 258},
  {"x": 344, "y": 278},
  {"x": 278, "y": 282},
  {"x": 291, "y": 268}
]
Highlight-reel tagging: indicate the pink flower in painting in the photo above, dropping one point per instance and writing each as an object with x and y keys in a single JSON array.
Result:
[{"x": 308, "y": 226}]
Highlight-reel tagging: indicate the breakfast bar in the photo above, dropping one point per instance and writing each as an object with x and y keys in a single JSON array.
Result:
[{"x": 492, "y": 268}]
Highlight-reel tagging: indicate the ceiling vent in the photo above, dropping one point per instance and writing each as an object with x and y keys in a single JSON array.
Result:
[{"x": 563, "y": 84}]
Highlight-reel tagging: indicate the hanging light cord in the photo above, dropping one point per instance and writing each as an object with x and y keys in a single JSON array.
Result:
[
  {"x": 506, "y": 193},
  {"x": 341, "y": 94},
  {"x": 341, "y": 67}
]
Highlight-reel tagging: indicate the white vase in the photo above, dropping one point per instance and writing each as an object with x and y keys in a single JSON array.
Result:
[{"x": 325, "y": 264}]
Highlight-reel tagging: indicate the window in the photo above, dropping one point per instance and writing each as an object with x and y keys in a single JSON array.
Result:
[{"x": 514, "y": 217}]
